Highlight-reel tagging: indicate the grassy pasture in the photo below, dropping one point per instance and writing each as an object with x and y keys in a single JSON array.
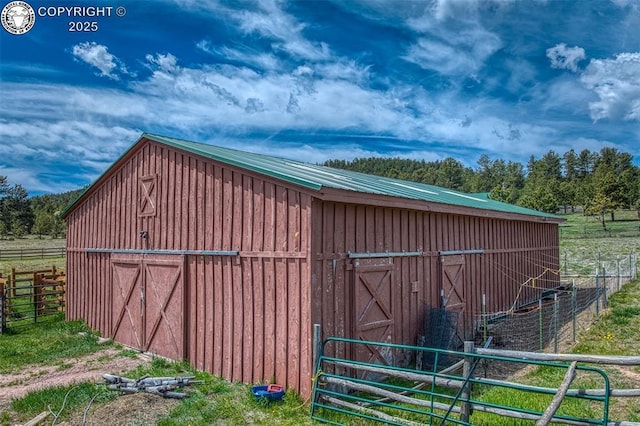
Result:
[
  {"x": 31, "y": 242},
  {"x": 58, "y": 342},
  {"x": 584, "y": 246},
  {"x": 579, "y": 226}
]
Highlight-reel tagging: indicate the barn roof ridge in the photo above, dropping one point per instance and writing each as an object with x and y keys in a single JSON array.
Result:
[{"x": 317, "y": 178}]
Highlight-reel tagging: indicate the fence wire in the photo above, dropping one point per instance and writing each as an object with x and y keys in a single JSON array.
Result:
[{"x": 560, "y": 315}]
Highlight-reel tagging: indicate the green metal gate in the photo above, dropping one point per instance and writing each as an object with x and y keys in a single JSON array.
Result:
[{"x": 442, "y": 394}]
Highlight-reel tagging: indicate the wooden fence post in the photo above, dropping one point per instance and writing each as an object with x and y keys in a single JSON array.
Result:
[
  {"x": 37, "y": 297},
  {"x": 3, "y": 321},
  {"x": 12, "y": 282},
  {"x": 467, "y": 370},
  {"x": 61, "y": 288}
]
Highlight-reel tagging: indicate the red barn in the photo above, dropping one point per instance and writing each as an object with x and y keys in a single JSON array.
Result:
[{"x": 227, "y": 258}]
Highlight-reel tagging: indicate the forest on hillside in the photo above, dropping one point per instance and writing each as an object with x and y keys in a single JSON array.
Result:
[
  {"x": 39, "y": 215},
  {"x": 598, "y": 182}
]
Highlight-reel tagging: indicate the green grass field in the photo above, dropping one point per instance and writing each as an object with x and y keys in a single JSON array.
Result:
[
  {"x": 585, "y": 247},
  {"x": 578, "y": 225},
  {"x": 31, "y": 242},
  {"x": 57, "y": 342}
]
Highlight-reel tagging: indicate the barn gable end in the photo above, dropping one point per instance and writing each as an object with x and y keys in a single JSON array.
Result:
[{"x": 239, "y": 242}]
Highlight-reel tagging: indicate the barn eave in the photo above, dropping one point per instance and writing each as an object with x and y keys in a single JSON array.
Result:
[{"x": 352, "y": 197}]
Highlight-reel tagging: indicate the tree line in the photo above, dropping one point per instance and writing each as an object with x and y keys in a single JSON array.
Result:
[
  {"x": 599, "y": 182},
  {"x": 39, "y": 215}
]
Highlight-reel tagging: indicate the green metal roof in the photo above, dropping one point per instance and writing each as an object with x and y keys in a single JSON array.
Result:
[{"x": 316, "y": 177}]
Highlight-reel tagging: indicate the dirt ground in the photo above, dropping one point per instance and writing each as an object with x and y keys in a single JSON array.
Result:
[
  {"x": 134, "y": 409},
  {"x": 138, "y": 409}
]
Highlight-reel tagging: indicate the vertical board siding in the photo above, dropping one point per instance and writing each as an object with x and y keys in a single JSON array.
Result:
[
  {"x": 247, "y": 317},
  {"x": 514, "y": 251}
]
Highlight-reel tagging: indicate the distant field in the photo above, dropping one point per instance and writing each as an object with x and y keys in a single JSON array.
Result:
[
  {"x": 578, "y": 225},
  {"x": 584, "y": 244},
  {"x": 31, "y": 242}
]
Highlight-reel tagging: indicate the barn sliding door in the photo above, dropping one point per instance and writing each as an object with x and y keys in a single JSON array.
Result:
[
  {"x": 374, "y": 313},
  {"x": 126, "y": 303},
  {"x": 452, "y": 293},
  {"x": 164, "y": 306},
  {"x": 148, "y": 303}
]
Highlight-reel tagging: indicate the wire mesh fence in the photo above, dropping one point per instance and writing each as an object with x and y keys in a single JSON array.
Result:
[{"x": 559, "y": 315}]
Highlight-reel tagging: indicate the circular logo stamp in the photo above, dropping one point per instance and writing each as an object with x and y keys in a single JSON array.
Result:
[{"x": 18, "y": 17}]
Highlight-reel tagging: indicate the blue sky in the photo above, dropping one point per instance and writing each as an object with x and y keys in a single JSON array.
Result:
[{"x": 318, "y": 80}]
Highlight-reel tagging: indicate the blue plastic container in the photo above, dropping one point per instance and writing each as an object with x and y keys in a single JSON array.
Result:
[{"x": 262, "y": 391}]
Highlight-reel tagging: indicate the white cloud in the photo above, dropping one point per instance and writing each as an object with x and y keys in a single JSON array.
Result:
[
  {"x": 76, "y": 140},
  {"x": 91, "y": 127},
  {"x": 564, "y": 94},
  {"x": 271, "y": 22},
  {"x": 454, "y": 54},
  {"x": 261, "y": 60},
  {"x": 30, "y": 180},
  {"x": 65, "y": 151},
  {"x": 458, "y": 9},
  {"x": 457, "y": 47},
  {"x": 98, "y": 56},
  {"x": 166, "y": 63},
  {"x": 564, "y": 57},
  {"x": 617, "y": 84},
  {"x": 521, "y": 75}
]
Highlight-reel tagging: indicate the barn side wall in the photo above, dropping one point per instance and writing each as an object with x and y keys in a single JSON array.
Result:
[
  {"x": 513, "y": 252},
  {"x": 247, "y": 316}
]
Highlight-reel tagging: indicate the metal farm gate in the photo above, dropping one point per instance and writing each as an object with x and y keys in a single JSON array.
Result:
[
  {"x": 148, "y": 303},
  {"x": 445, "y": 395}
]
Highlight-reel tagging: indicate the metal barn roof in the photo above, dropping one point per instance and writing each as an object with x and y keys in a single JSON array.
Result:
[{"x": 316, "y": 177}]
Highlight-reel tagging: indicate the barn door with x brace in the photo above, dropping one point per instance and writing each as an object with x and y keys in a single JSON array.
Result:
[
  {"x": 148, "y": 303},
  {"x": 452, "y": 292},
  {"x": 374, "y": 308}
]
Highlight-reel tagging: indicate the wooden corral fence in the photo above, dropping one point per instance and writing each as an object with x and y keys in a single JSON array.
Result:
[
  {"x": 32, "y": 253},
  {"x": 351, "y": 382},
  {"x": 27, "y": 296}
]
